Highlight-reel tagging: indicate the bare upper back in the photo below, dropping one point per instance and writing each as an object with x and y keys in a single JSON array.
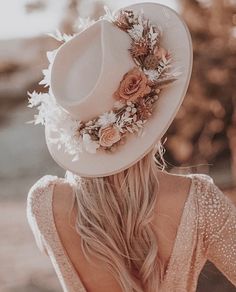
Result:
[{"x": 173, "y": 192}]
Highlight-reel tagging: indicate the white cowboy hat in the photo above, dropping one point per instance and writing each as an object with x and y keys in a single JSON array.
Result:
[{"x": 88, "y": 69}]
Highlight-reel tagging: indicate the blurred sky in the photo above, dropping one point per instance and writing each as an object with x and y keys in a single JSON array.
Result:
[{"x": 16, "y": 22}]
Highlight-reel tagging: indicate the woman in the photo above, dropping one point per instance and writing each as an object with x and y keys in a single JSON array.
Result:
[{"x": 118, "y": 221}]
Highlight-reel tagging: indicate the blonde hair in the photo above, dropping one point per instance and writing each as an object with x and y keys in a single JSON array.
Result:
[{"x": 114, "y": 222}]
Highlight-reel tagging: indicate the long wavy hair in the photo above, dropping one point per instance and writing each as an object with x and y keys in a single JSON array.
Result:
[{"x": 114, "y": 222}]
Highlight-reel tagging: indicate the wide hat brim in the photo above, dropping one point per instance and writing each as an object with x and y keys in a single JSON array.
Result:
[{"x": 177, "y": 39}]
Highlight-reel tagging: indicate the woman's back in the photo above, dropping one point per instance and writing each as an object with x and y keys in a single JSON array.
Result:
[{"x": 173, "y": 193}]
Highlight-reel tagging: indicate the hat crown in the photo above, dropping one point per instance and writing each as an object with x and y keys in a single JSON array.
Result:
[{"x": 90, "y": 73}]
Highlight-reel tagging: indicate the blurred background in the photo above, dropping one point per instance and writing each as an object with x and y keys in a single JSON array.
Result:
[{"x": 201, "y": 139}]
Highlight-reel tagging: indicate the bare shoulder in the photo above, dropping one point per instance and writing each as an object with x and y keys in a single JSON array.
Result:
[
  {"x": 63, "y": 199},
  {"x": 174, "y": 184},
  {"x": 172, "y": 194},
  {"x": 64, "y": 212}
]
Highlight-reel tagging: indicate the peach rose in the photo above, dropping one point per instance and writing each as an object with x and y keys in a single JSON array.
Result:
[
  {"x": 109, "y": 136},
  {"x": 133, "y": 86}
]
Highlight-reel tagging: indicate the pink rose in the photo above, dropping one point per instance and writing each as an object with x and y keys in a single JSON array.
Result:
[
  {"x": 109, "y": 136},
  {"x": 134, "y": 85}
]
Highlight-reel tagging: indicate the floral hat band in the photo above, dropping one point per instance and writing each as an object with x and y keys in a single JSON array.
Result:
[{"x": 153, "y": 68}]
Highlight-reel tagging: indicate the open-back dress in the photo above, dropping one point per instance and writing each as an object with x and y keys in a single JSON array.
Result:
[{"x": 207, "y": 231}]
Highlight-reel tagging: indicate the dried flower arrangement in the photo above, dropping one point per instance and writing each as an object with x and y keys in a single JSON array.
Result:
[{"x": 135, "y": 97}]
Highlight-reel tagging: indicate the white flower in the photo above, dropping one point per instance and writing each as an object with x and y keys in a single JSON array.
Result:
[
  {"x": 118, "y": 105},
  {"x": 106, "y": 119},
  {"x": 135, "y": 17},
  {"x": 43, "y": 102},
  {"x": 65, "y": 127},
  {"x": 51, "y": 55},
  {"x": 136, "y": 32},
  {"x": 47, "y": 72},
  {"x": 60, "y": 37},
  {"x": 46, "y": 81},
  {"x": 109, "y": 15},
  {"x": 34, "y": 99},
  {"x": 153, "y": 36},
  {"x": 59, "y": 121},
  {"x": 83, "y": 23},
  {"x": 38, "y": 119},
  {"x": 90, "y": 145},
  {"x": 140, "y": 16},
  {"x": 152, "y": 75}
]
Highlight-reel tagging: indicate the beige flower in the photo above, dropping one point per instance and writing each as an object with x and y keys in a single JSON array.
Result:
[
  {"x": 134, "y": 85},
  {"x": 109, "y": 136},
  {"x": 122, "y": 21},
  {"x": 160, "y": 53}
]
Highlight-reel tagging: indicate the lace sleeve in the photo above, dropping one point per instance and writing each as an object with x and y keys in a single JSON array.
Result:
[
  {"x": 34, "y": 210},
  {"x": 217, "y": 216}
]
